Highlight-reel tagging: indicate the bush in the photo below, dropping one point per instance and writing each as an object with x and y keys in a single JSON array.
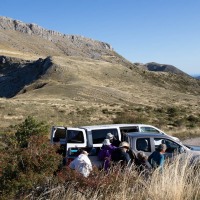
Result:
[
  {"x": 172, "y": 111},
  {"x": 23, "y": 168},
  {"x": 28, "y": 128},
  {"x": 178, "y": 181},
  {"x": 130, "y": 117},
  {"x": 99, "y": 182},
  {"x": 127, "y": 184},
  {"x": 193, "y": 119}
]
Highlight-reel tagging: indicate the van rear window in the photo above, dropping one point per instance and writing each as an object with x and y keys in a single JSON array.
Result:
[
  {"x": 74, "y": 136},
  {"x": 99, "y": 135},
  {"x": 59, "y": 134}
]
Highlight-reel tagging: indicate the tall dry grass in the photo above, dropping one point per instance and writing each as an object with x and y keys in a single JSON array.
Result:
[{"x": 177, "y": 181}]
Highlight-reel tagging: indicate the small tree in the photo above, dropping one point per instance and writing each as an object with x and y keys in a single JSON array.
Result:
[
  {"x": 29, "y": 128},
  {"x": 28, "y": 159}
]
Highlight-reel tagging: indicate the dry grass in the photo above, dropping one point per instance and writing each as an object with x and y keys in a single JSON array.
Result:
[
  {"x": 81, "y": 91},
  {"x": 84, "y": 91},
  {"x": 73, "y": 112},
  {"x": 178, "y": 181}
]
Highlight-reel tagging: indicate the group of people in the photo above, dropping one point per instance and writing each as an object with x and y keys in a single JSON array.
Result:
[{"x": 114, "y": 152}]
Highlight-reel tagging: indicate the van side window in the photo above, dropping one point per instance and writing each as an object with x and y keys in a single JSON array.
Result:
[
  {"x": 143, "y": 144},
  {"x": 149, "y": 129},
  {"x": 74, "y": 136},
  {"x": 125, "y": 130},
  {"x": 129, "y": 129},
  {"x": 99, "y": 135},
  {"x": 172, "y": 147}
]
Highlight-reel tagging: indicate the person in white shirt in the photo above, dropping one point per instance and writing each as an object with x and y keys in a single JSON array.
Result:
[{"x": 82, "y": 164}]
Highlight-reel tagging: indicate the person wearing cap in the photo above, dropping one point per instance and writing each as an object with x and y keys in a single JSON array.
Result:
[
  {"x": 105, "y": 153},
  {"x": 156, "y": 159},
  {"x": 120, "y": 154},
  {"x": 114, "y": 141},
  {"x": 82, "y": 164}
]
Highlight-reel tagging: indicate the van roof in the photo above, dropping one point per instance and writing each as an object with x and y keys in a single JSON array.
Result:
[
  {"x": 112, "y": 125},
  {"x": 147, "y": 134}
]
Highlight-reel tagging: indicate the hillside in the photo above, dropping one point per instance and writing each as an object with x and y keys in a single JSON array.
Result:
[
  {"x": 163, "y": 68},
  {"x": 69, "y": 79}
]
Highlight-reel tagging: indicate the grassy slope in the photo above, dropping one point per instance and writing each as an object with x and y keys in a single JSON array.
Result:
[{"x": 86, "y": 91}]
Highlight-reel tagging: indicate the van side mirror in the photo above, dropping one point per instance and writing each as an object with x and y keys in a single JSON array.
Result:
[{"x": 181, "y": 150}]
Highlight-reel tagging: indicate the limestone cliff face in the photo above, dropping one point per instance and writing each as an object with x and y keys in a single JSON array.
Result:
[
  {"x": 31, "y": 29},
  {"x": 53, "y": 36}
]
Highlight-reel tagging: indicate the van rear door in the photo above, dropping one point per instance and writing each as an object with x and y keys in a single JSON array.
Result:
[
  {"x": 73, "y": 137},
  {"x": 58, "y": 135},
  {"x": 76, "y": 137}
]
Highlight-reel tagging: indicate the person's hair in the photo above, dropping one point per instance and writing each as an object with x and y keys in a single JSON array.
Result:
[
  {"x": 82, "y": 151},
  {"x": 106, "y": 142},
  {"x": 162, "y": 147},
  {"x": 141, "y": 156}
]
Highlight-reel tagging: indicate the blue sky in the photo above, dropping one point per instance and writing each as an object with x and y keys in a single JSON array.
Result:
[{"x": 163, "y": 31}]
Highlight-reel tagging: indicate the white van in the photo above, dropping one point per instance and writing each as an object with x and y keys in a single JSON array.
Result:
[{"x": 91, "y": 138}]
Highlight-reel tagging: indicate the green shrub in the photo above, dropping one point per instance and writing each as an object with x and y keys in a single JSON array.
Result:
[
  {"x": 29, "y": 127},
  {"x": 130, "y": 117},
  {"x": 193, "y": 119},
  {"x": 24, "y": 167},
  {"x": 172, "y": 111},
  {"x": 179, "y": 122}
]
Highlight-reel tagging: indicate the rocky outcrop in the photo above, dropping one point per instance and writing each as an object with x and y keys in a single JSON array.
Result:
[
  {"x": 15, "y": 74},
  {"x": 53, "y": 36},
  {"x": 156, "y": 67}
]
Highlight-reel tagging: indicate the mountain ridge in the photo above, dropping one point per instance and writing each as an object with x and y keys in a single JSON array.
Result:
[
  {"x": 34, "y": 29},
  {"x": 81, "y": 81},
  {"x": 75, "y": 43}
]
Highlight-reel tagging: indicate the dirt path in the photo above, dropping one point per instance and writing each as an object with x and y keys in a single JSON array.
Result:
[{"x": 192, "y": 141}]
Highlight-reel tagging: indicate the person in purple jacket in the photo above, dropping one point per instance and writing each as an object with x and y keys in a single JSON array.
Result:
[{"x": 105, "y": 153}]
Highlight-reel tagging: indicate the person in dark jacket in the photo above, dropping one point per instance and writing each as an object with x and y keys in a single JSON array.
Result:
[
  {"x": 142, "y": 164},
  {"x": 156, "y": 159},
  {"x": 114, "y": 141},
  {"x": 120, "y": 155}
]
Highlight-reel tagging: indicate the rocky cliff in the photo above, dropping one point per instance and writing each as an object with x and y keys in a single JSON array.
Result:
[
  {"x": 76, "y": 80},
  {"x": 16, "y": 73},
  {"x": 34, "y": 39},
  {"x": 33, "y": 29}
]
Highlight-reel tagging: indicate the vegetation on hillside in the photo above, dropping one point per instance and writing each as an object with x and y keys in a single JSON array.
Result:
[
  {"x": 30, "y": 168},
  {"x": 27, "y": 159},
  {"x": 178, "y": 181},
  {"x": 174, "y": 120}
]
